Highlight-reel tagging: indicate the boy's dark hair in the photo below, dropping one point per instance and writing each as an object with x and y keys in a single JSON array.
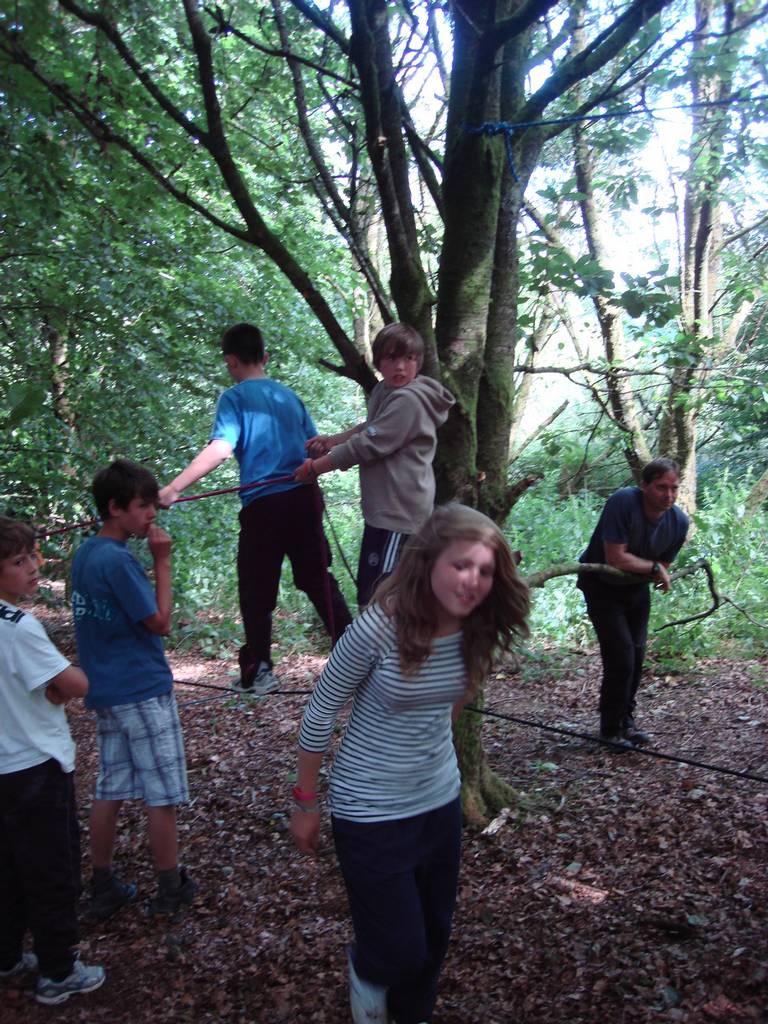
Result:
[
  {"x": 15, "y": 537},
  {"x": 123, "y": 481},
  {"x": 397, "y": 340},
  {"x": 245, "y": 342},
  {"x": 658, "y": 467}
]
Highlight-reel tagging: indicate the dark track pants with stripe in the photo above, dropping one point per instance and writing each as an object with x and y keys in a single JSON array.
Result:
[
  {"x": 401, "y": 878},
  {"x": 287, "y": 523},
  {"x": 39, "y": 867},
  {"x": 379, "y": 554}
]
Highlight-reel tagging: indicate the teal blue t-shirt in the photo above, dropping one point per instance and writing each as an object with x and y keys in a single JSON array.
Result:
[
  {"x": 266, "y": 424},
  {"x": 111, "y": 594}
]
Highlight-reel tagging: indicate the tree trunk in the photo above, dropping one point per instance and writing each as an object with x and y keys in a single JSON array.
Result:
[
  {"x": 621, "y": 399},
  {"x": 483, "y": 792},
  {"x": 757, "y": 496}
]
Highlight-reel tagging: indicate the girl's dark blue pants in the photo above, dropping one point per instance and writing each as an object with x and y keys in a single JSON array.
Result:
[
  {"x": 39, "y": 867},
  {"x": 401, "y": 878}
]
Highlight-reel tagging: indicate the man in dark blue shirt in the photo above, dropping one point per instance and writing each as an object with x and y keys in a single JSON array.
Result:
[{"x": 640, "y": 531}]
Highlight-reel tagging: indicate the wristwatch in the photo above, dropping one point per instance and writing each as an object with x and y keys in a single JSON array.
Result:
[{"x": 655, "y": 569}]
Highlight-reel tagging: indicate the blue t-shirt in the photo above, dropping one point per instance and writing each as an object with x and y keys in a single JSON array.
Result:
[
  {"x": 623, "y": 521},
  {"x": 111, "y": 594},
  {"x": 266, "y": 424}
]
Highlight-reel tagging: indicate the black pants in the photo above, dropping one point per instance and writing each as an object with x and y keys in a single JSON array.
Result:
[
  {"x": 287, "y": 523},
  {"x": 401, "y": 878},
  {"x": 620, "y": 617},
  {"x": 39, "y": 867},
  {"x": 379, "y": 554}
]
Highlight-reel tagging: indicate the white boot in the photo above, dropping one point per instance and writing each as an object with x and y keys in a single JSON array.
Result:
[{"x": 368, "y": 1002}]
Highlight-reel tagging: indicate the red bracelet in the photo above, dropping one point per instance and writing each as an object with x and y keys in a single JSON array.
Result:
[{"x": 302, "y": 797}]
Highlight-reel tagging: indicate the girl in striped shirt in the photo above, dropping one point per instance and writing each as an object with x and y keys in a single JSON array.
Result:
[{"x": 409, "y": 663}]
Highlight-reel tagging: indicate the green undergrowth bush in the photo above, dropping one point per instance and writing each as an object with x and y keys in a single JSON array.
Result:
[
  {"x": 546, "y": 529},
  {"x": 549, "y": 531}
]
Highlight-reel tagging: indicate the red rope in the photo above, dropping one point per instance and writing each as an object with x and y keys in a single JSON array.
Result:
[
  {"x": 231, "y": 490},
  {"x": 190, "y": 497}
]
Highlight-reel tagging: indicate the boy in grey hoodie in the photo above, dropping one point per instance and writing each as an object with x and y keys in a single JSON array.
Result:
[{"x": 394, "y": 448}]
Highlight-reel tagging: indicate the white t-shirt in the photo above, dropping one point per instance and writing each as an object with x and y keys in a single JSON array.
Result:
[{"x": 32, "y": 730}]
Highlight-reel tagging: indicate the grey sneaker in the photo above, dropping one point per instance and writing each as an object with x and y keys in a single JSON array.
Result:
[
  {"x": 631, "y": 732},
  {"x": 106, "y": 902},
  {"x": 616, "y": 741},
  {"x": 263, "y": 682},
  {"x": 367, "y": 1001},
  {"x": 26, "y": 965},
  {"x": 82, "y": 979},
  {"x": 168, "y": 903}
]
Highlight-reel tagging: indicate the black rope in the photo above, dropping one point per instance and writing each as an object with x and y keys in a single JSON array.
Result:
[
  {"x": 232, "y": 691},
  {"x": 339, "y": 548},
  {"x": 507, "y": 718},
  {"x": 617, "y": 746}
]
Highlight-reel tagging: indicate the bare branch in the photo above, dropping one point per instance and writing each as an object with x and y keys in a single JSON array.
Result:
[
  {"x": 603, "y": 48},
  {"x": 225, "y": 27},
  {"x": 515, "y": 455},
  {"x": 109, "y": 29},
  {"x": 319, "y": 20}
]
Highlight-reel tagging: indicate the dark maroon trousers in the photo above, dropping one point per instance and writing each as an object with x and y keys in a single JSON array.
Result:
[{"x": 289, "y": 523}]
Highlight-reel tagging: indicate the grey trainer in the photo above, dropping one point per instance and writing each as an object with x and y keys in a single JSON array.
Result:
[
  {"x": 82, "y": 979},
  {"x": 263, "y": 682}
]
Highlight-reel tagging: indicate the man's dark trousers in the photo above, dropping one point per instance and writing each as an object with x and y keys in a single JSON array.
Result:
[{"x": 620, "y": 617}]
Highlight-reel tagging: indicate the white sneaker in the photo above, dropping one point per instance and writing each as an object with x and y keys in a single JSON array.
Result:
[
  {"x": 82, "y": 979},
  {"x": 368, "y": 1002}
]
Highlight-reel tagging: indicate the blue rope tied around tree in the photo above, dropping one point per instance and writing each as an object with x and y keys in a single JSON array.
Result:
[{"x": 508, "y": 128}]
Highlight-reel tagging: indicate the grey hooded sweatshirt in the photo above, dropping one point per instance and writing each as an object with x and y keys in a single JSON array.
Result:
[{"x": 394, "y": 448}]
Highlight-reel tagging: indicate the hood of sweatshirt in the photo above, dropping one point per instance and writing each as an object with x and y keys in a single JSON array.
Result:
[{"x": 434, "y": 399}]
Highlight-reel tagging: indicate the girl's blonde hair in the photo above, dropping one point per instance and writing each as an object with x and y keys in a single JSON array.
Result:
[{"x": 407, "y": 594}]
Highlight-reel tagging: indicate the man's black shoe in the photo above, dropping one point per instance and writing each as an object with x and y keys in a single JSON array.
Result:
[
  {"x": 108, "y": 898},
  {"x": 636, "y": 736},
  {"x": 619, "y": 743}
]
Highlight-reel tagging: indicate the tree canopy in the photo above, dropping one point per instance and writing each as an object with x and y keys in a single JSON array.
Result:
[{"x": 397, "y": 162}]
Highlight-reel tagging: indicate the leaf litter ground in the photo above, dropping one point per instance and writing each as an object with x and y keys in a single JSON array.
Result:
[{"x": 621, "y": 889}]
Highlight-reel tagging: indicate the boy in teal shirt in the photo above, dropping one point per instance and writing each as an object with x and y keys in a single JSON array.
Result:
[{"x": 119, "y": 621}]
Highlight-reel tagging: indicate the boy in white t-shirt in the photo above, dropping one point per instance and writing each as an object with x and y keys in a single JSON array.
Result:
[{"x": 39, "y": 835}]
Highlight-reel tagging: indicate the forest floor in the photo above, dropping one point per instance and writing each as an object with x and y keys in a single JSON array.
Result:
[{"x": 623, "y": 889}]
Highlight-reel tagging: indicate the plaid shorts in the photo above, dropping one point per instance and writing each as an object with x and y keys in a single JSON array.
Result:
[{"x": 141, "y": 753}]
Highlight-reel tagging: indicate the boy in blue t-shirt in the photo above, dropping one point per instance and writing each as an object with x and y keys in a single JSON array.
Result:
[
  {"x": 119, "y": 622},
  {"x": 265, "y": 425},
  {"x": 39, "y": 834}
]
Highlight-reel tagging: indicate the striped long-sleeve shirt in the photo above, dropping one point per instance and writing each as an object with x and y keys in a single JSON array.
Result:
[{"x": 396, "y": 758}]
